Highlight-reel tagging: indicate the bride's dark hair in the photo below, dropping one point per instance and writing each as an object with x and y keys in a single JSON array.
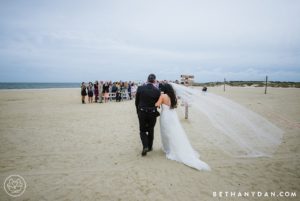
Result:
[{"x": 168, "y": 89}]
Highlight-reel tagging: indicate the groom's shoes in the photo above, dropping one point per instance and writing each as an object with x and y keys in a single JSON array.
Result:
[{"x": 144, "y": 152}]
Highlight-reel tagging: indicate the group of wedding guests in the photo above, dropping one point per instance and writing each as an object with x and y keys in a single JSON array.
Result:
[
  {"x": 107, "y": 91},
  {"x": 103, "y": 92}
]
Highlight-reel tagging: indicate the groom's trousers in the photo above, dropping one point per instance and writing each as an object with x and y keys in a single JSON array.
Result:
[{"x": 147, "y": 122}]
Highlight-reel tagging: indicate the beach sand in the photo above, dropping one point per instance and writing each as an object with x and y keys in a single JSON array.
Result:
[{"x": 69, "y": 151}]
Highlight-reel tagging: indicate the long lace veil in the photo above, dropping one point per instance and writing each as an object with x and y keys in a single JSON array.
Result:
[{"x": 240, "y": 131}]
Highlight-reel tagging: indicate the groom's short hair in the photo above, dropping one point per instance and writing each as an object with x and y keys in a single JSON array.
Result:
[{"x": 151, "y": 78}]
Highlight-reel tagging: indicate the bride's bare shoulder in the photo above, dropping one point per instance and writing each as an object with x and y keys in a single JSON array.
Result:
[
  {"x": 165, "y": 99},
  {"x": 165, "y": 96}
]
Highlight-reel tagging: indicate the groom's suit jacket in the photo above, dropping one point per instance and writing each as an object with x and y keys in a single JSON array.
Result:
[{"x": 146, "y": 96}]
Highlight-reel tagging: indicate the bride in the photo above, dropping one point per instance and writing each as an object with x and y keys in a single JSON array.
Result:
[{"x": 174, "y": 140}]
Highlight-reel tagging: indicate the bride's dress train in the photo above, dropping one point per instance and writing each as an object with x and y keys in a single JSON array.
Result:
[{"x": 175, "y": 142}]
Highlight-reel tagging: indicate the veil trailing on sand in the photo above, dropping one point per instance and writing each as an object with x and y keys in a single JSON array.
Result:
[{"x": 240, "y": 131}]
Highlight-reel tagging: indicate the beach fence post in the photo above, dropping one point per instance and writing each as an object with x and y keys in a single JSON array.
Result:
[
  {"x": 224, "y": 83},
  {"x": 266, "y": 85},
  {"x": 186, "y": 113},
  {"x": 187, "y": 80}
]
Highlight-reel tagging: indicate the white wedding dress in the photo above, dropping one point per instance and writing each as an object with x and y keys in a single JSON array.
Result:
[{"x": 175, "y": 142}]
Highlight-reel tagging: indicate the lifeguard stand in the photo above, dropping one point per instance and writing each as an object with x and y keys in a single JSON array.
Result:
[{"x": 187, "y": 80}]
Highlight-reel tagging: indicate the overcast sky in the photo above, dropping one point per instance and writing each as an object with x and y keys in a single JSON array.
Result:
[{"x": 73, "y": 41}]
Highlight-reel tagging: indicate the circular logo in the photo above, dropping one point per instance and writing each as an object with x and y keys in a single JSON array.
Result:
[{"x": 14, "y": 185}]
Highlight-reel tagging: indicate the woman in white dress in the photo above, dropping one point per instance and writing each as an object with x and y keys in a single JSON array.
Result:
[{"x": 174, "y": 140}]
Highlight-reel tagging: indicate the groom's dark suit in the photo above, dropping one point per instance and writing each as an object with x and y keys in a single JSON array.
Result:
[{"x": 146, "y": 97}]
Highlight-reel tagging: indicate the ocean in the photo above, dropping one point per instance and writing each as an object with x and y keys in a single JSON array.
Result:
[{"x": 37, "y": 85}]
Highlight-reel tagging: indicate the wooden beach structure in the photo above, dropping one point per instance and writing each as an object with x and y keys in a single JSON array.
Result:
[{"x": 187, "y": 80}]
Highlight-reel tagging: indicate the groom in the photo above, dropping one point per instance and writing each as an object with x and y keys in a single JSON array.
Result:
[{"x": 146, "y": 97}]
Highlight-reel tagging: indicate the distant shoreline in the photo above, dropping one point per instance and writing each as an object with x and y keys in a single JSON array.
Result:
[
  {"x": 39, "y": 89},
  {"x": 38, "y": 85},
  {"x": 70, "y": 85}
]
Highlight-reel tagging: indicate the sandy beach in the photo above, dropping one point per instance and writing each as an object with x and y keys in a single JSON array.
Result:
[{"x": 69, "y": 151}]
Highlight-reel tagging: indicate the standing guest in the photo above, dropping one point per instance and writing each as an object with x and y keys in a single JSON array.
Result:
[
  {"x": 133, "y": 89},
  {"x": 123, "y": 90},
  {"x": 106, "y": 91},
  {"x": 110, "y": 90},
  {"x": 129, "y": 90},
  {"x": 90, "y": 92},
  {"x": 114, "y": 90},
  {"x": 100, "y": 89},
  {"x": 126, "y": 90},
  {"x": 118, "y": 85},
  {"x": 118, "y": 93},
  {"x": 96, "y": 91},
  {"x": 83, "y": 92}
]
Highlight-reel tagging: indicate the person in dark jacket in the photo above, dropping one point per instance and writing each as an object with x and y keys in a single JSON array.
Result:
[
  {"x": 146, "y": 97},
  {"x": 129, "y": 90},
  {"x": 96, "y": 91},
  {"x": 90, "y": 92},
  {"x": 83, "y": 92}
]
